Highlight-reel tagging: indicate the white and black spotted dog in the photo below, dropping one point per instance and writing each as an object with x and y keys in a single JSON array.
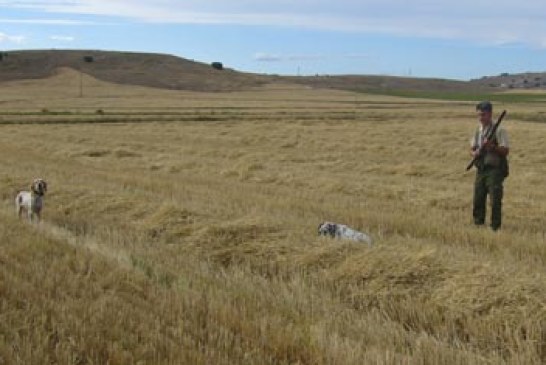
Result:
[
  {"x": 342, "y": 231},
  {"x": 31, "y": 201}
]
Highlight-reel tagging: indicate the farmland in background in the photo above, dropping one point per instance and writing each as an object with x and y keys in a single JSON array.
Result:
[{"x": 180, "y": 227}]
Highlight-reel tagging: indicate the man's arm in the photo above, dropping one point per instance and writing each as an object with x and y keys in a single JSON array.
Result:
[
  {"x": 474, "y": 147},
  {"x": 500, "y": 146}
]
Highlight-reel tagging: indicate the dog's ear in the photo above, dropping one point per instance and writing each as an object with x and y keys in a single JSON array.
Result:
[
  {"x": 332, "y": 229},
  {"x": 45, "y": 185}
]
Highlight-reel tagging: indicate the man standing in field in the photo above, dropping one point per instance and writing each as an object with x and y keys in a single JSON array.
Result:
[{"x": 492, "y": 167}]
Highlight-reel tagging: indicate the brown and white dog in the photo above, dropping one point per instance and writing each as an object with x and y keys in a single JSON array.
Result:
[{"x": 31, "y": 201}]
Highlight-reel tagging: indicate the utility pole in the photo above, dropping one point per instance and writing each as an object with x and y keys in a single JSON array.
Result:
[
  {"x": 86, "y": 59},
  {"x": 81, "y": 84}
]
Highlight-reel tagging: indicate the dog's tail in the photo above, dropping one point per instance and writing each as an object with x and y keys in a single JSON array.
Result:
[{"x": 368, "y": 239}]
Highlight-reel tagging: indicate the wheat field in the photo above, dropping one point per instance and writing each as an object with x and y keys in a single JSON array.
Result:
[{"x": 181, "y": 228}]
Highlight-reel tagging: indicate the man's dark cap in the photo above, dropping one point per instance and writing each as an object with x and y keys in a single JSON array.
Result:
[{"x": 484, "y": 106}]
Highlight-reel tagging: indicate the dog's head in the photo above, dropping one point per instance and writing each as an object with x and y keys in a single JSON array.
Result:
[
  {"x": 39, "y": 186},
  {"x": 327, "y": 229}
]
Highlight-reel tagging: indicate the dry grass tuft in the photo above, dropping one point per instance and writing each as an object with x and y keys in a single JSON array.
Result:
[{"x": 170, "y": 222}]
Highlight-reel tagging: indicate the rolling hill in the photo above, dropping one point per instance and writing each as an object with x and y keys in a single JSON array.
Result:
[
  {"x": 171, "y": 72},
  {"x": 144, "y": 69}
]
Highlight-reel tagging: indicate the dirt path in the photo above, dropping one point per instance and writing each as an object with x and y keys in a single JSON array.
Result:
[{"x": 53, "y": 231}]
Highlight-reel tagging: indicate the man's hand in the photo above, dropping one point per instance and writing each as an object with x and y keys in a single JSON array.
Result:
[{"x": 489, "y": 146}]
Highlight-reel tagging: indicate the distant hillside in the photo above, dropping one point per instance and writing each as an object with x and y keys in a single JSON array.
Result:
[
  {"x": 171, "y": 72},
  {"x": 390, "y": 84},
  {"x": 527, "y": 80},
  {"x": 153, "y": 70}
]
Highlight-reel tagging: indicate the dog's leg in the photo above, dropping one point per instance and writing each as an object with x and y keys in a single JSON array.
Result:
[
  {"x": 30, "y": 210},
  {"x": 18, "y": 207}
]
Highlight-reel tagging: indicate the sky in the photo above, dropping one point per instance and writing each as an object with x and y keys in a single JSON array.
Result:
[{"x": 461, "y": 39}]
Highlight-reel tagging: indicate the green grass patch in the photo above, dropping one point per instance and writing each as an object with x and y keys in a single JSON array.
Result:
[{"x": 466, "y": 96}]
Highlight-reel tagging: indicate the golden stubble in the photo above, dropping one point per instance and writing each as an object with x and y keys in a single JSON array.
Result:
[{"x": 180, "y": 227}]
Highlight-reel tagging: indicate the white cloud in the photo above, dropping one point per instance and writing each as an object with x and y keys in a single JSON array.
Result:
[
  {"x": 62, "y": 38},
  {"x": 487, "y": 21},
  {"x": 11, "y": 38},
  {"x": 46, "y": 21}
]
